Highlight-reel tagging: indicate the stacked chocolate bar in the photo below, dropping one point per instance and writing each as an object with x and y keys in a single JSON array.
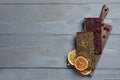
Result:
[{"x": 90, "y": 44}]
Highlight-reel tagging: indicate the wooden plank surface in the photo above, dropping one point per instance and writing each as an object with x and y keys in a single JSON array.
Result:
[
  {"x": 57, "y": 74},
  {"x": 70, "y": 26},
  {"x": 49, "y": 51},
  {"x": 37, "y": 12},
  {"x": 47, "y": 19},
  {"x": 48, "y": 41},
  {"x": 60, "y": 1}
]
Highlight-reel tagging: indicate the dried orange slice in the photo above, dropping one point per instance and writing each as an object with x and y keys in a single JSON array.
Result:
[
  {"x": 86, "y": 72},
  {"x": 72, "y": 57},
  {"x": 81, "y": 63}
]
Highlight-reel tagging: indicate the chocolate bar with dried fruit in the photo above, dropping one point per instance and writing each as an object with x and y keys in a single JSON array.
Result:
[{"x": 94, "y": 25}]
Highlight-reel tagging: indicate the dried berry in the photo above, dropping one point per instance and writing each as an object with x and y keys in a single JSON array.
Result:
[
  {"x": 102, "y": 24},
  {"x": 104, "y": 36},
  {"x": 97, "y": 20}
]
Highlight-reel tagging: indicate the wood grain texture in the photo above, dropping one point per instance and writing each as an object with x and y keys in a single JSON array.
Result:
[
  {"x": 48, "y": 19},
  {"x": 36, "y": 12},
  {"x": 42, "y": 41},
  {"x": 49, "y": 51},
  {"x": 60, "y": 1},
  {"x": 70, "y": 26},
  {"x": 57, "y": 74}
]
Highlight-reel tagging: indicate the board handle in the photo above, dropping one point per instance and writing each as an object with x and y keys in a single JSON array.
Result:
[{"x": 104, "y": 12}]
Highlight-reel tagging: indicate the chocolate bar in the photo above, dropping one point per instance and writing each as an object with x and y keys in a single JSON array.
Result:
[
  {"x": 85, "y": 47},
  {"x": 94, "y": 25}
]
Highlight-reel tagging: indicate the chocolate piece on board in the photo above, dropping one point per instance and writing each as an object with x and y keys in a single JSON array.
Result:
[
  {"x": 94, "y": 25},
  {"x": 85, "y": 47}
]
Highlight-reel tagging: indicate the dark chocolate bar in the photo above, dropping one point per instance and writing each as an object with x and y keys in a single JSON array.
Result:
[
  {"x": 94, "y": 25},
  {"x": 85, "y": 47}
]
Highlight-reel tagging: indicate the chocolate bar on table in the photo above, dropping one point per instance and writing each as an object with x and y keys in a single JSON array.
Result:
[{"x": 85, "y": 47}]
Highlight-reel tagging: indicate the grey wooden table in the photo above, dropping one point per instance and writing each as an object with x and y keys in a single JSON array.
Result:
[{"x": 36, "y": 36}]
